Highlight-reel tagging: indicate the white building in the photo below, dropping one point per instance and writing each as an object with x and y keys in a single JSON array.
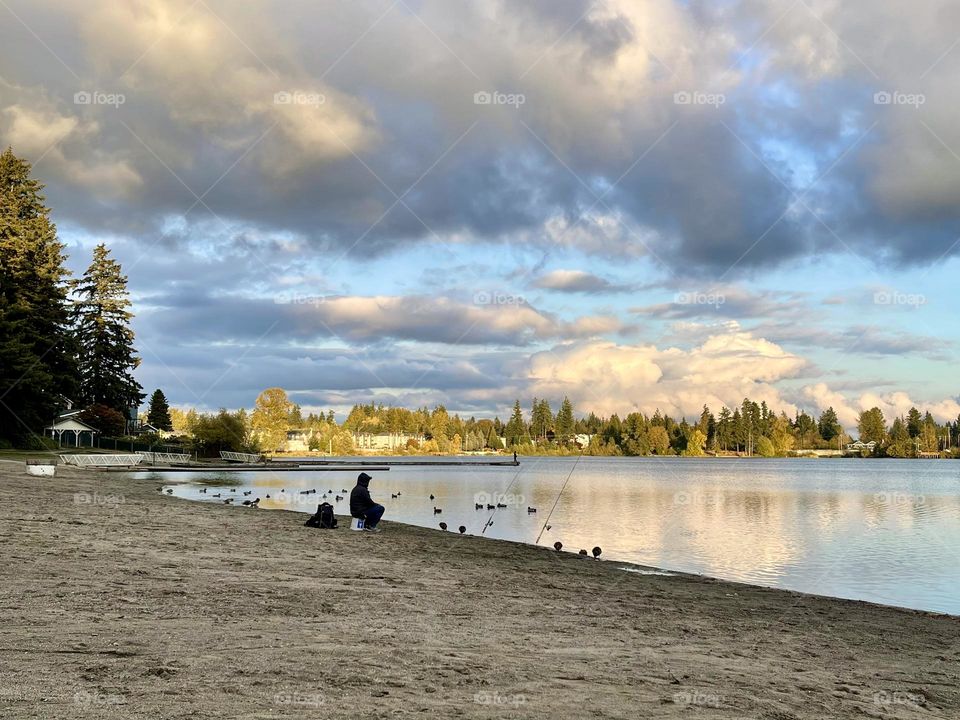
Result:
[{"x": 372, "y": 442}]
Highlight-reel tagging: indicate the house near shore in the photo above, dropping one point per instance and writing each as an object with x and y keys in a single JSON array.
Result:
[
  {"x": 379, "y": 442},
  {"x": 860, "y": 447},
  {"x": 297, "y": 440}
]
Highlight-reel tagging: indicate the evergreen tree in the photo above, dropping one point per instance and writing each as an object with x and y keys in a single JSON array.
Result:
[
  {"x": 515, "y": 429},
  {"x": 158, "y": 413},
  {"x": 914, "y": 422},
  {"x": 829, "y": 425},
  {"x": 106, "y": 357},
  {"x": 37, "y": 370},
  {"x": 565, "y": 421}
]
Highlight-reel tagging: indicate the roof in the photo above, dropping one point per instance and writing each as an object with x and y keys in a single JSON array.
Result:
[{"x": 71, "y": 424}]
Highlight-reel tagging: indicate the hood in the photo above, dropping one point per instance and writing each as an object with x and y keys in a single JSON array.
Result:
[{"x": 364, "y": 479}]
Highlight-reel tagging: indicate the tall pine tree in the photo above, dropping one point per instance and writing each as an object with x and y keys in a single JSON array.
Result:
[
  {"x": 158, "y": 414},
  {"x": 37, "y": 371},
  {"x": 106, "y": 356}
]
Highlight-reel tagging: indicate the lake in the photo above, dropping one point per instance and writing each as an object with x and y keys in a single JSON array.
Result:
[{"x": 881, "y": 530}]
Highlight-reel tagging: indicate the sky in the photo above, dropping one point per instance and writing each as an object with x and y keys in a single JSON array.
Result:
[{"x": 639, "y": 204}]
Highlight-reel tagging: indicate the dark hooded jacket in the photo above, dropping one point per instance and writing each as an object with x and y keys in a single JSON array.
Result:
[{"x": 360, "y": 500}]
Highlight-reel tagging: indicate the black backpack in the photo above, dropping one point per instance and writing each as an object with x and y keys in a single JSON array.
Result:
[{"x": 324, "y": 517}]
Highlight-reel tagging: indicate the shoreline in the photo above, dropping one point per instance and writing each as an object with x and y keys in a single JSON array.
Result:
[
  {"x": 121, "y": 603},
  {"x": 625, "y": 565}
]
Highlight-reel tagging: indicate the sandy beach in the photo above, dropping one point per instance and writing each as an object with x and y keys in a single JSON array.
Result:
[{"x": 120, "y": 602}]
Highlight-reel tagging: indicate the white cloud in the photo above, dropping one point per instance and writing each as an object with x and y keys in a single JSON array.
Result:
[{"x": 606, "y": 377}]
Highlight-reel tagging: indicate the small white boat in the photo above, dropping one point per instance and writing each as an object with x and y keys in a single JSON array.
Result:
[{"x": 46, "y": 468}]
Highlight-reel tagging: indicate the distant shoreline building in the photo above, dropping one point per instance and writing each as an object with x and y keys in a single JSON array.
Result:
[{"x": 384, "y": 441}]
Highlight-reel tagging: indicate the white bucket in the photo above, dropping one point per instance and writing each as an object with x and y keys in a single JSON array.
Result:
[
  {"x": 356, "y": 523},
  {"x": 45, "y": 470}
]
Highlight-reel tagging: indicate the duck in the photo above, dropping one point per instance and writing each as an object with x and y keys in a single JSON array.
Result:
[
  {"x": 596, "y": 552},
  {"x": 437, "y": 511},
  {"x": 478, "y": 506},
  {"x": 546, "y": 528},
  {"x": 558, "y": 546},
  {"x": 248, "y": 492},
  {"x": 304, "y": 492},
  {"x": 228, "y": 501},
  {"x": 501, "y": 505},
  {"x": 531, "y": 510},
  {"x": 170, "y": 492},
  {"x": 344, "y": 490},
  {"x": 251, "y": 503},
  {"x": 399, "y": 493},
  {"x": 443, "y": 526},
  {"x": 233, "y": 490},
  {"x": 203, "y": 490},
  {"x": 583, "y": 552},
  {"x": 432, "y": 497},
  {"x": 462, "y": 529},
  {"x": 216, "y": 496},
  {"x": 268, "y": 497},
  {"x": 491, "y": 507},
  {"x": 338, "y": 498},
  {"x": 393, "y": 496}
]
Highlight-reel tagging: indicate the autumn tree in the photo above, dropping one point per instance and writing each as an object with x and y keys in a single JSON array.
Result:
[{"x": 271, "y": 418}]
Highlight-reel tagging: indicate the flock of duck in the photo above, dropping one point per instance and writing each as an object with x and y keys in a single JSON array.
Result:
[{"x": 255, "y": 503}]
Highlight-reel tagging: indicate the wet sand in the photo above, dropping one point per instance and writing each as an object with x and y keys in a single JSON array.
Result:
[{"x": 120, "y": 602}]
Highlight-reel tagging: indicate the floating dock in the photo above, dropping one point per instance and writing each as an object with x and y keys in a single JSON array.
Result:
[{"x": 315, "y": 465}]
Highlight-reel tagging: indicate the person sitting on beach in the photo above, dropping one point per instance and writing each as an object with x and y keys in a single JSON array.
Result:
[{"x": 362, "y": 505}]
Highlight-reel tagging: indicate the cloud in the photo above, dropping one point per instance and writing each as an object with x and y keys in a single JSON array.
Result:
[
  {"x": 606, "y": 378},
  {"x": 601, "y": 158},
  {"x": 577, "y": 281},
  {"x": 893, "y": 404}
]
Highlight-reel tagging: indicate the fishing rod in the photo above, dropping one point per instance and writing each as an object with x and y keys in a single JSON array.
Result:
[
  {"x": 569, "y": 475},
  {"x": 490, "y": 519}
]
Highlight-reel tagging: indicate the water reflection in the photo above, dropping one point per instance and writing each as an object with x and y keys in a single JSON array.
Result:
[{"x": 879, "y": 530}]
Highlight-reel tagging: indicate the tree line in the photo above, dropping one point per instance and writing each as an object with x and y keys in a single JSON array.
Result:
[{"x": 64, "y": 342}]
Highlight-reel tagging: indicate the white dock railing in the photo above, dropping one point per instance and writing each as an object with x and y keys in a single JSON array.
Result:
[
  {"x": 240, "y": 457},
  {"x": 101, "y": 460},
  {"x": 165, "y": 457}
]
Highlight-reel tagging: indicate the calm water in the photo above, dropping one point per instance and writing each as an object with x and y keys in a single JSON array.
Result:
[{"x": 880, "y": 530}]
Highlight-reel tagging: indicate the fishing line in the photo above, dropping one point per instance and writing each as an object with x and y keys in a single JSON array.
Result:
[
  {"x": 569, "y": 475},
  {"x": 495, "y": 508}
]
